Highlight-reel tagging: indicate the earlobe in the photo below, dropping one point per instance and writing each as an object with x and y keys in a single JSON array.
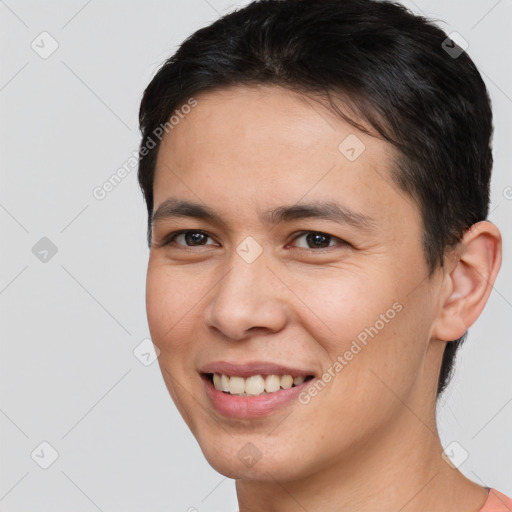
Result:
[{"x": 470, "y": 280}]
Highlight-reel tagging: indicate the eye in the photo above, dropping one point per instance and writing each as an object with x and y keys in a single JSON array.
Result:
[
  {"x": 318, "y": 240},
  {"x": 191, "y": 238},
  {"x": 196, "y": 238}
]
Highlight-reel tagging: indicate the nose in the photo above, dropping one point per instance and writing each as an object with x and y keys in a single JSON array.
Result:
[{"x": 248, "y": 299}]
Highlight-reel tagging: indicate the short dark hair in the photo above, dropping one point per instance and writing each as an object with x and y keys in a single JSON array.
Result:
[{"x": 391, "y": 69}]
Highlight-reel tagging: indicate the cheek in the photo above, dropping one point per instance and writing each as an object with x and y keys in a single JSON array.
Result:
[
  {"x": 343, "y": 306},
  {"x": 367, "y": 330},
  {"x": 170, "y": 313},
  {"x": 172, "y": 300},
  {"x": 158, "y": 305}
]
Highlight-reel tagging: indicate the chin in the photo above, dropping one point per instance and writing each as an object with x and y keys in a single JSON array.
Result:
[{"x": 240, "y": 458}]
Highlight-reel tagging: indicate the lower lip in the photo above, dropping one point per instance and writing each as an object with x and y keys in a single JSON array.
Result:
[{"x": 247, "y": 407}]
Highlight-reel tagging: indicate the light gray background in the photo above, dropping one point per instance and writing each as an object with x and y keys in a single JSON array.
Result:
[{"x": 69, "y": 325}]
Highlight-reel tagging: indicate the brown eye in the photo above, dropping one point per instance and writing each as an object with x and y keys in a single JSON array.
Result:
[
  {"x": 317, "y": 240},
  {"x": 187, "y": 238}
]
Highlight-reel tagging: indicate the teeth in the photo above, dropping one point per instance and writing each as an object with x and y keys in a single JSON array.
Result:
[
  {"x": 298, "y": 380},
  {"x": 255, "y": 384},
  {"x": 236, "y": 385},
  {"x": 224, "y": 383},
  {"x": 286, "y": 381},
  {"x": 272, "y": 383}
]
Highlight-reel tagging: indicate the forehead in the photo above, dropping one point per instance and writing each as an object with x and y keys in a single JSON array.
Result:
[
  {"x": 271, "y": 117},
  {"x": 266, "y": 145}
]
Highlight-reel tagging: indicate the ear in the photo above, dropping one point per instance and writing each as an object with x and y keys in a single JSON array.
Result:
[{"x": 471, "y": 271}]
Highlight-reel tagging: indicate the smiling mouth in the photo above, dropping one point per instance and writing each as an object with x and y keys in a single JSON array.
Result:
[{"x": 255, "y": 385}]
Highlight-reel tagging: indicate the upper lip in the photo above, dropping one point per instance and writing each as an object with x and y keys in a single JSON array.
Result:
[{"x": 252, "y": 368}]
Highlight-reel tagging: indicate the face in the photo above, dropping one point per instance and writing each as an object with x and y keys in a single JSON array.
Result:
[{"x": 300, "y": 259}]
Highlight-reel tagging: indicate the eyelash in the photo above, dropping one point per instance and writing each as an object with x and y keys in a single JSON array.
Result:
[{"x": 172, "y": 236}]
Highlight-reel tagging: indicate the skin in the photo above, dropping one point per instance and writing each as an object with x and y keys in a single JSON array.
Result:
[{"x": 368, "y": 440}]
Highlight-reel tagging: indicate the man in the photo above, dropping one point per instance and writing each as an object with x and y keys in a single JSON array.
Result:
[{"x": 317, "y": 179}]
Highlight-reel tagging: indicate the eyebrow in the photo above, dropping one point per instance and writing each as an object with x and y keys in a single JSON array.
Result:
[{"x": 333, "y": 211}]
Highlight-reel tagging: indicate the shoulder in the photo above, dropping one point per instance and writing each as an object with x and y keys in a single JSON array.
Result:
[{"x": 497, "y": 502}]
